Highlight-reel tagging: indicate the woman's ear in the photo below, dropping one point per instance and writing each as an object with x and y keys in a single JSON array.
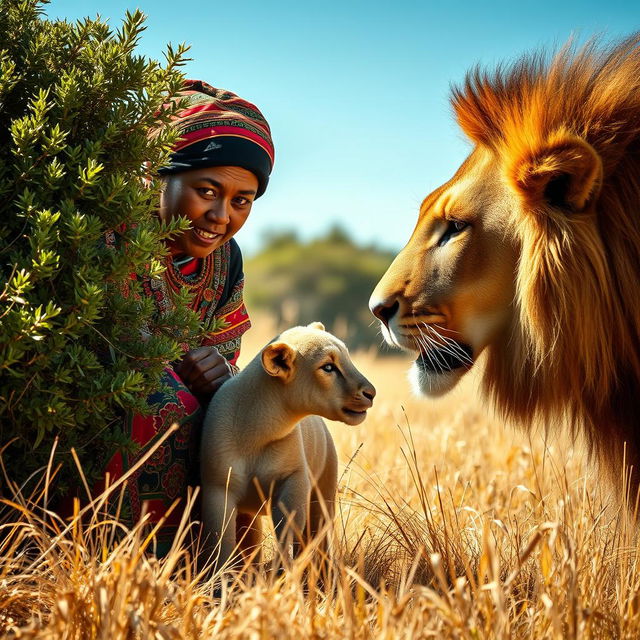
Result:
[
  {"x": 563, "y": 172},
  {"x": 278, "y": 360}
]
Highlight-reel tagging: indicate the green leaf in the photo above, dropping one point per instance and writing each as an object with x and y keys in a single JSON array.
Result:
[{"x": 77, "y": 104}]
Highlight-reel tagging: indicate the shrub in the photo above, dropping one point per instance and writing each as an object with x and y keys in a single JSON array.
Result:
[{"x": 76, "y": 106}]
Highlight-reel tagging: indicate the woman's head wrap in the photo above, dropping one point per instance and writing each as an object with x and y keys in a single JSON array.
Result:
[{"x": 218, "y": 128}]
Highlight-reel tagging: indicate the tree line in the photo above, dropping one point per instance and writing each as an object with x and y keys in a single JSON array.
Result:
[{"x": 328, "y": 278}]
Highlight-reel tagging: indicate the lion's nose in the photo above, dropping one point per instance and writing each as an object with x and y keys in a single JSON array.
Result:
[{"x": 384, "y": 310}]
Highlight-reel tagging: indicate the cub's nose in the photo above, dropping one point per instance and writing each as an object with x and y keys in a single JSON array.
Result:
[
  {"x": 368, "y": 392},
  {"x": 384, "y": 310}
]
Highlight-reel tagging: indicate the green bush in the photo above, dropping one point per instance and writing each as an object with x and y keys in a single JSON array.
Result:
[{"x": 76, "y": 107}]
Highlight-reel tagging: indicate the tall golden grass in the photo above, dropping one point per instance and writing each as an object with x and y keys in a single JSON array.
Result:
[{"x": 450, "y": 525}]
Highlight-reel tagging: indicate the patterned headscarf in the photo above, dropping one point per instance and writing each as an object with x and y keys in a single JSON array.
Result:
[{"x": 218, "y": 128}]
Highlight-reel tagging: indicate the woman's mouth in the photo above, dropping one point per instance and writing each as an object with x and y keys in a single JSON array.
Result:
[{"x": 206, "y": 236}]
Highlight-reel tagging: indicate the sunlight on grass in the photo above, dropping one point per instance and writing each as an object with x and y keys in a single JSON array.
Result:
[{"x": 449, "y": 525}]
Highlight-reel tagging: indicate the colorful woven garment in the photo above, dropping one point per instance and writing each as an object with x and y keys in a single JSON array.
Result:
[
  {"x": 166, "y": 474},
  {"x": 217, "y": 285}
]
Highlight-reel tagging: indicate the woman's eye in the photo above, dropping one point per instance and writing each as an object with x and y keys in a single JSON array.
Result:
[
  {"x": 454, "y": 227},
  {"x": 329, "y": 368},
  {"x": 242, "y": 202}
]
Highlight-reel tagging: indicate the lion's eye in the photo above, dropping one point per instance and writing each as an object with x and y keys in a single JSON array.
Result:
[
  {"x": 329, "y": 367},
  {"x": 454, "y": 227}
]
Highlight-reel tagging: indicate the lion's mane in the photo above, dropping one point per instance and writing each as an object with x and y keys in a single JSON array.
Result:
[{"x": 574, "y": 353}]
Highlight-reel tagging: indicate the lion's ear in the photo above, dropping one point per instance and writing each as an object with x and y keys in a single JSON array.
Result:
[
  {"x": 563, "y": 172},
  {"x": 316, "y": 325},
  {"x": 278, "y": 360}
]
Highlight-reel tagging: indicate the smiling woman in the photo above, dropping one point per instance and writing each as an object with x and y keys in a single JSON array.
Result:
[
  {"x": 219, "y": 166},
  {"x": 217, "y": 200}
]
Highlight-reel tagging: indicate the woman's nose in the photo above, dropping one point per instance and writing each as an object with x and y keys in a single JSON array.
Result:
[{"x": 219, "y": 212}]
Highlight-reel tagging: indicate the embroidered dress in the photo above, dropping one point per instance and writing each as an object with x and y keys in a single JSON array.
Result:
[{"x": 216, "y": 283}]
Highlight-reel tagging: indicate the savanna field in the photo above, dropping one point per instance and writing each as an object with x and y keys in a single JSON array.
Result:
[{"x": 450, "y": 524}]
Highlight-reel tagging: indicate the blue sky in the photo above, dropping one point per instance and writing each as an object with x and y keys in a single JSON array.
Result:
[{"x": 356, "y": 92}]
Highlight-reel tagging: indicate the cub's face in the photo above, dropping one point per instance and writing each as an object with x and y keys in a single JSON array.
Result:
[
  {"x": 318, "y": 375},
  {"x": 449, "y": 292}
]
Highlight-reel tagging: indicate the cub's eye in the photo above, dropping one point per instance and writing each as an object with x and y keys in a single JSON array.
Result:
[
  {"x": 329, "y": 368},
  {"x": 454, "y": 227}
]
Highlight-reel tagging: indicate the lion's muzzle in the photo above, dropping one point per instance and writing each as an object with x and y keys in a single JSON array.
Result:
[{"x": 384, "y": 309}]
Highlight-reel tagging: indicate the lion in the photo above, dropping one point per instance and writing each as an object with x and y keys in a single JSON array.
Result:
[
  {"x": 263, "y": 438},
  {"x": 530, "y": 253}
]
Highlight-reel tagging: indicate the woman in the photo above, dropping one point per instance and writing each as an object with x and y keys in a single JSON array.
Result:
[{"x": 220, "y": 165}]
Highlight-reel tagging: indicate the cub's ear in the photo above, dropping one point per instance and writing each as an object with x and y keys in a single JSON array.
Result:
[
  {"x": 316, "y": 325},
  {"x": 564, "y": 172},
  {"x": 278, "y": 360}
]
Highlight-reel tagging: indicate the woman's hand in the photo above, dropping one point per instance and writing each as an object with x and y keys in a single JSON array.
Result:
[{"x": 204, "y": 370}]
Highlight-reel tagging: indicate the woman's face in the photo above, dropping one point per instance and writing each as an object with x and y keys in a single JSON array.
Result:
[{"x": 217, "y": 200}]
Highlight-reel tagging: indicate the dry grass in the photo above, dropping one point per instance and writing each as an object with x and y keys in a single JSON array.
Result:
[{"x": 450, "y": 525}]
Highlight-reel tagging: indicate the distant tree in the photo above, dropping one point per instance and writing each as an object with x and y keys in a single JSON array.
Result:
[
  {"x": 277, "y": 239},
  {"x": 76, "y": 107},
  {"x": 328, "y": 279}
]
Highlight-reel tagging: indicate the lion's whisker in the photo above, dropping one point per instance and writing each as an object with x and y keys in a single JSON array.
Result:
[
  {"x": 458, "y": 351},
  {"x": 426, "y": 351},
  {"x": 439, "y": 326},
  {"x": 434, "y": 353},
  {"x": 447, "y": 345}
]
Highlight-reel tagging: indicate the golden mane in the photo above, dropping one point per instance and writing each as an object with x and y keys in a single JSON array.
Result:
[{"x": 574, "y": 355}]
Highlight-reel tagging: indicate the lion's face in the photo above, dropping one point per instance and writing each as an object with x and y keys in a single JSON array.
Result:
[
  {"x": 449, "y": 293},
  {"x": 531, "y": 251}
]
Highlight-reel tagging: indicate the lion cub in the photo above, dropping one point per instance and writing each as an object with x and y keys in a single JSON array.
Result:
[{"x": 262, "y": 438}]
